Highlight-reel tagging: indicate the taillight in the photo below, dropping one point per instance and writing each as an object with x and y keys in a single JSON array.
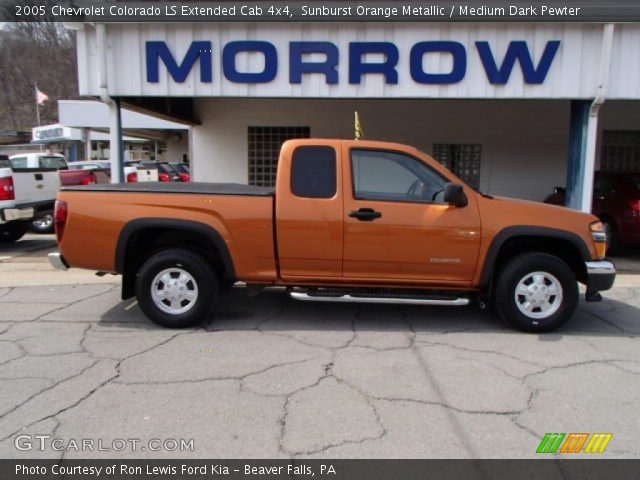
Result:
[
  {"x": 6, "y": 189},
  {"x": 164, "y": 177},
  {"x": 635, "y": 205},
  {"x": 89, "y": 179},
  {"x": 185, "y": 177},
  {"x": 132, "y": 177},
  {"x": 60, "y": 218}
]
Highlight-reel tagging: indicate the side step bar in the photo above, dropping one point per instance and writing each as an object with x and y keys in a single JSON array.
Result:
[{"x": 455, "y": 302}]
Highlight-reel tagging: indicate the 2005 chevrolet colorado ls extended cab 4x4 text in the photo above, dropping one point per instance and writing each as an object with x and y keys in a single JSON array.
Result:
[{"x": 356, "y": 221}]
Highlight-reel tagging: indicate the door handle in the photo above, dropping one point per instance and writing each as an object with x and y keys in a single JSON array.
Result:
[{"x": 365, "y": 214}]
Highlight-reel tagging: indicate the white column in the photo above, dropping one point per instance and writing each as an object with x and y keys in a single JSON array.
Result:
[
  {"x": 592, "y": 124},
  {"x": 114, "y": 143}
]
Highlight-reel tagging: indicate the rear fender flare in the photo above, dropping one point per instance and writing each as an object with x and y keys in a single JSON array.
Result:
[{"x": 172, "y": 224}]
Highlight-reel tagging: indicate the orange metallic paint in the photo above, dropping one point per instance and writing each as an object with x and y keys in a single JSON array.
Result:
[
  {"x": 425, "y": 243},
  {"x": 318, "y": 243},
  {"x": 97, "y": 218},
  {"x": 309, "y": 229}
]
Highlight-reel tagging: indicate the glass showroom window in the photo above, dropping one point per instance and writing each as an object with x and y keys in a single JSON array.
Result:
[
  {"x": 620, "y": 150},
  {"x": 264, "y": 149},
  {"x": 462, "y": 159}
]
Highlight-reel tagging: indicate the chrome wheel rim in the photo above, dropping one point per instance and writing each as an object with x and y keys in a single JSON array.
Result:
[
  {"x": 538, "y": 295},
  {"x": 43, "y": 222},
  {"x": 174, "y": 291}
]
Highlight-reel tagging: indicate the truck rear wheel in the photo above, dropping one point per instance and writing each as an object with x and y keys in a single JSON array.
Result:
[
  {"x": 177, "y": 288},
  {"x": 12, "y": 231},
  {"x": 536, "y": 292}
]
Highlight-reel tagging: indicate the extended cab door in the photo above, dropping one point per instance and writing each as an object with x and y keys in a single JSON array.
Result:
[
  {"x": 309, "y": 210},
  {"x": 397, "y": 229}
]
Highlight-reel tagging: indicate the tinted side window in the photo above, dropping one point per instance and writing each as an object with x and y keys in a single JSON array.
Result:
[
  {"x": 313, "y": 172},
  {"x": 392, "y": 176}
]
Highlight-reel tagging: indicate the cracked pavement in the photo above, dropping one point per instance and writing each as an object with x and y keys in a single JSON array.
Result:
[{"x": 270, "y": 377}]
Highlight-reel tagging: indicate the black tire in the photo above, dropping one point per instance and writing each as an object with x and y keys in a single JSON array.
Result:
[
  {"x": 172, "y": 262},
  {"x": 12, "y": 231},
  {"x": 42, "y": 223},
  {"x": 613, "y": 240},
  {"x": 521, "y": 268}
]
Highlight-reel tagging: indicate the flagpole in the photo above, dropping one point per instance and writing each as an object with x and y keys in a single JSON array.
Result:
[{"x": 35, "y": 91}]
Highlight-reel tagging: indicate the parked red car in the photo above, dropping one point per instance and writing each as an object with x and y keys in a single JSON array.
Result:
[{"x": 616, "y": 201}]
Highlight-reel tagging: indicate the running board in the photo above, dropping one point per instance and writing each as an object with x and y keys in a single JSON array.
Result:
[{"x": 347, "y": 298}]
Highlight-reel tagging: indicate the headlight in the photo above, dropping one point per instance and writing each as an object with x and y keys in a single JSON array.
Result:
[{"x": 599, "y": 236}]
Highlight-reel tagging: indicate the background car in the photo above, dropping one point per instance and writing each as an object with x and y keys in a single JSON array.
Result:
[
  {"x": 28, "y": 188},
  {"x": 616, "y": 201},
  {"x": 102, "y": 171},
  {"x": 43, "y": 220},
  {"x": 183, "y": 171},
  {"x": 165, "y": 171}
]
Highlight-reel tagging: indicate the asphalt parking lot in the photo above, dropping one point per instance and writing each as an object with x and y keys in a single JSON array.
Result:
[{"x": 269, "y": 377}]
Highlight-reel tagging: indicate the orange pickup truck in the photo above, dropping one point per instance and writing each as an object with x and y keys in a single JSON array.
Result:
[{"x": 348, "y": 221}]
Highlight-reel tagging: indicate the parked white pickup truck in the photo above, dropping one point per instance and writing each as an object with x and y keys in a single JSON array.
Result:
[{"x": 25, "y": 193}]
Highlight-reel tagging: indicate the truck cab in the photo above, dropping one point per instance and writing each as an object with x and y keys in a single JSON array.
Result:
[{"x": 373, "y": 212}]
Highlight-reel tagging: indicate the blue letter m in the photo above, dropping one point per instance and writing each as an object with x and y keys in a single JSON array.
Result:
[
  {"x": 159, "y": 50},
  {"x": 517, "y": 50}
]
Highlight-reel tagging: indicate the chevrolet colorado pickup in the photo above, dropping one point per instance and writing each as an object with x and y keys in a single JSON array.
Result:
[{"x": 348, "y": 221}]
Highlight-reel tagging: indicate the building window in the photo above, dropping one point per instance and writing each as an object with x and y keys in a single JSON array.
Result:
[
  {"x": 620, "y": 150},
  {"x": 313, "y": 172},
  {"x": 462, "y": 159},
  {"x": 264, "y": 149}
]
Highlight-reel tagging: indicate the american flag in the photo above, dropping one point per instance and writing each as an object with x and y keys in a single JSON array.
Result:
[{"x": 41, "y": 97}]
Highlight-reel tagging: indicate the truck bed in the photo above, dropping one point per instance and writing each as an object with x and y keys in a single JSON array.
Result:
[
  {"x": 240, "y": 214},
  {"x": 179, "y": 187}
]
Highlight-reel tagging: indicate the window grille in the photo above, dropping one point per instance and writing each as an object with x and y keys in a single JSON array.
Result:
[{"x": 264, "y": 149}]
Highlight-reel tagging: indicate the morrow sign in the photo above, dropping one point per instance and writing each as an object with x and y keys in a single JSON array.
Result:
[{"x": 322, "y": 58}]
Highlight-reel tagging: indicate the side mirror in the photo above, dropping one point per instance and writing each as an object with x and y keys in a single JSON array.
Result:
[{"x": 454, "y": 195}]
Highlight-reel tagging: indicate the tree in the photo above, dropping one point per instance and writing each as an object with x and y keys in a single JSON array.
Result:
[{"x": 42, "y": 53}]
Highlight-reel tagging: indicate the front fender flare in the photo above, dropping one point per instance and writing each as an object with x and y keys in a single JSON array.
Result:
[{"x": 508, "y": 233}]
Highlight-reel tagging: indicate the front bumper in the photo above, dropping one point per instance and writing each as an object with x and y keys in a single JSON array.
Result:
[
  {"x": 57, "y": 260},
  {"x": 600, "y": 275}
]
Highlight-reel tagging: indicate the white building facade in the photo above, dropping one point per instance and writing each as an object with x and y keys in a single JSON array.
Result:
[{"x": 514, "y": 109}]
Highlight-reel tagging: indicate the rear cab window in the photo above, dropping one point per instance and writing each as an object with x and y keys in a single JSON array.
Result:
[
  {"x": 52, "y": 161},
  {"x": 314, "y": 172},
  {"x": 19, "y": 162}
]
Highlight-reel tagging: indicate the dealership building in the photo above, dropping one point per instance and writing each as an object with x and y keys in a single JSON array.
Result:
[{"x": 514, "y": 109}]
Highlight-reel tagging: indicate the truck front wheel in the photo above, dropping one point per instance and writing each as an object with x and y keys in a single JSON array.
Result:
[
  {"x": 177, "y": 288},
  {"x": 536, "y": 292}
]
